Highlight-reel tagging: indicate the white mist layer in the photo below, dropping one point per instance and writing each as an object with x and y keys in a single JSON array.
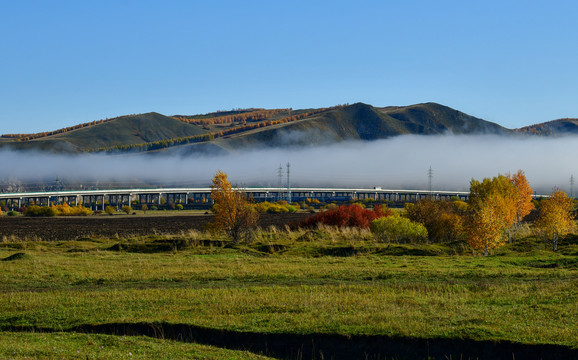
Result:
[{"x": 397, "y": 163}]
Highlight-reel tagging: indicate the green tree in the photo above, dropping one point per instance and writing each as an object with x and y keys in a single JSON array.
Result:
[{"x": 234, "y": 214}]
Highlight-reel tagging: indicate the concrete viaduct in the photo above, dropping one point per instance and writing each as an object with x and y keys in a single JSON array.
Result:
[{"x": 96, "y": 199}]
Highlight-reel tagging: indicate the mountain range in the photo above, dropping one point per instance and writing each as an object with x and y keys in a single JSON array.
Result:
[{"x": 227, "y": 131}]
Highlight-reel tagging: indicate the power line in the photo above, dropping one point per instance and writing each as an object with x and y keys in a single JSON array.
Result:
[
  {"x": 280, "y": 175},
  {"x": 429, "y": 180},
  {"x": 288, "y": 183}
]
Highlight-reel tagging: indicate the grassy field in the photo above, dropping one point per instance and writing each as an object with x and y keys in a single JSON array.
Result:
[
  {"x": 305, "y": 283},
  {"x": 97, "y": 346}
]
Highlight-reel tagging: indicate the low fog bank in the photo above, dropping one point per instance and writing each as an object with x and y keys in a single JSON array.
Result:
[{"x": 401, "y": 163}]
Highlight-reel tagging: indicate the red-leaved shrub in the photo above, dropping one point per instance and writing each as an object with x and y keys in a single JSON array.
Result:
[{"x": 347, "y": 216}]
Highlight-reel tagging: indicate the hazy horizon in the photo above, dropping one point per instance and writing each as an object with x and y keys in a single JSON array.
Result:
[{"x": 397, "y": 163}]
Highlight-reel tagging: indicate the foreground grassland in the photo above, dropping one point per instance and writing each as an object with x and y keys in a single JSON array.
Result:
[
  {"x": 95, "y": 346},
  {"x": 280, "y": 284}
]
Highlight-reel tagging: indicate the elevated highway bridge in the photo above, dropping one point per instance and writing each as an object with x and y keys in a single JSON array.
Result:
[{"x": 96, "y": 199}]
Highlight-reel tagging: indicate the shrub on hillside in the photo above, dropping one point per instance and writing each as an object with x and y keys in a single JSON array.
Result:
[
  {"x": 398, "y": 229},
  {"x": 346, "y": 216}
]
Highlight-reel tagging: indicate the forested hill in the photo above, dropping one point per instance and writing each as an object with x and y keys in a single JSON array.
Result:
[{"x": 248, "y": 128}]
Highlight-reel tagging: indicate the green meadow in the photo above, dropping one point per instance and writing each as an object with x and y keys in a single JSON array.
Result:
[{"x": 322, "y": 281}]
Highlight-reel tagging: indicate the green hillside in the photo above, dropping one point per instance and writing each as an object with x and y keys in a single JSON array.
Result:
[
  {"x": 250, "y": 128},
  {"x": 133, "y": 129},
  {"x": 432, "y": 118},
  {"x": 364, "y": 122},
  {"x": 55, "y": 146}
]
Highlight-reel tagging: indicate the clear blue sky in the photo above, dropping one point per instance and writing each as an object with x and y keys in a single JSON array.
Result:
[{"x": 67, "y": 62}]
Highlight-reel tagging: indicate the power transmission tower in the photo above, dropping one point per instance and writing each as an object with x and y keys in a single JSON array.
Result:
[
  {"x": 572, "y": 185},
  {"x": 58, "y": 186},
  {"x": 288, "y": 183},
  {"x": 280, "y": 175},
  {"x": 429, "y": 181}
]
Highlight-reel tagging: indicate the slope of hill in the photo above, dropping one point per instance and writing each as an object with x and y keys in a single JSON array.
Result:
[
  {"x": 40, "y": 145},
  {"x": 432, "y": 118},
  {"x": 132, "y": 129},
  {"x": 560, "y": 127},
  {"x": 362, "y": 122},
  {"x": 251, "y": 128}
]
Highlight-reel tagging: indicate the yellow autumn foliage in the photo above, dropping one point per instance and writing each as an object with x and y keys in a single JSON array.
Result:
[
  {"x": 234, "y": 214},
  {"x": 493, "y": 211},
  {"x": 555, "y": 219}
]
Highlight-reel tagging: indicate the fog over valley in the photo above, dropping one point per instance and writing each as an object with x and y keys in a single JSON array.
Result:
[{"x": 398, "y": 163}]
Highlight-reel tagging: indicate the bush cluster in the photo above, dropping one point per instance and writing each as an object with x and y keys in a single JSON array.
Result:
[
  {"x": 277, "y": 207},
  {"x": 58, "y": 210},
  {"x": 398, "y": 229},
  {"x": 347, "y": 216},
  {"x": 66, "y": 210},
  {"x": 35, "y": 210},
  {"x": 443, "y": 220}
]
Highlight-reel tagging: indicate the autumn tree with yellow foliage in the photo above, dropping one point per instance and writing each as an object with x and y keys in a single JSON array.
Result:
[
  {"x": 555, "y": 219},
  {"x": 492, "y": 212},
  {"x": 234, "y": 214},
  {"x": 522, "y": 197}
]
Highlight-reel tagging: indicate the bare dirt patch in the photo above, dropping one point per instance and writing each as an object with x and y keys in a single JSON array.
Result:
[{"x": 73, "y": 228}]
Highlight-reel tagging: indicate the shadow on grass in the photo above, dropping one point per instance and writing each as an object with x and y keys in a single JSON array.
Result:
[{"x": 327, "y": 346}]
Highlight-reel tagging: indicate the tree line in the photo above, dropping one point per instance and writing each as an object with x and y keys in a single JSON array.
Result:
[
  {"x": 155, "y": 145},
  {"x": 492, "y": 216},
  {"x": 255, "y": 115}
]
